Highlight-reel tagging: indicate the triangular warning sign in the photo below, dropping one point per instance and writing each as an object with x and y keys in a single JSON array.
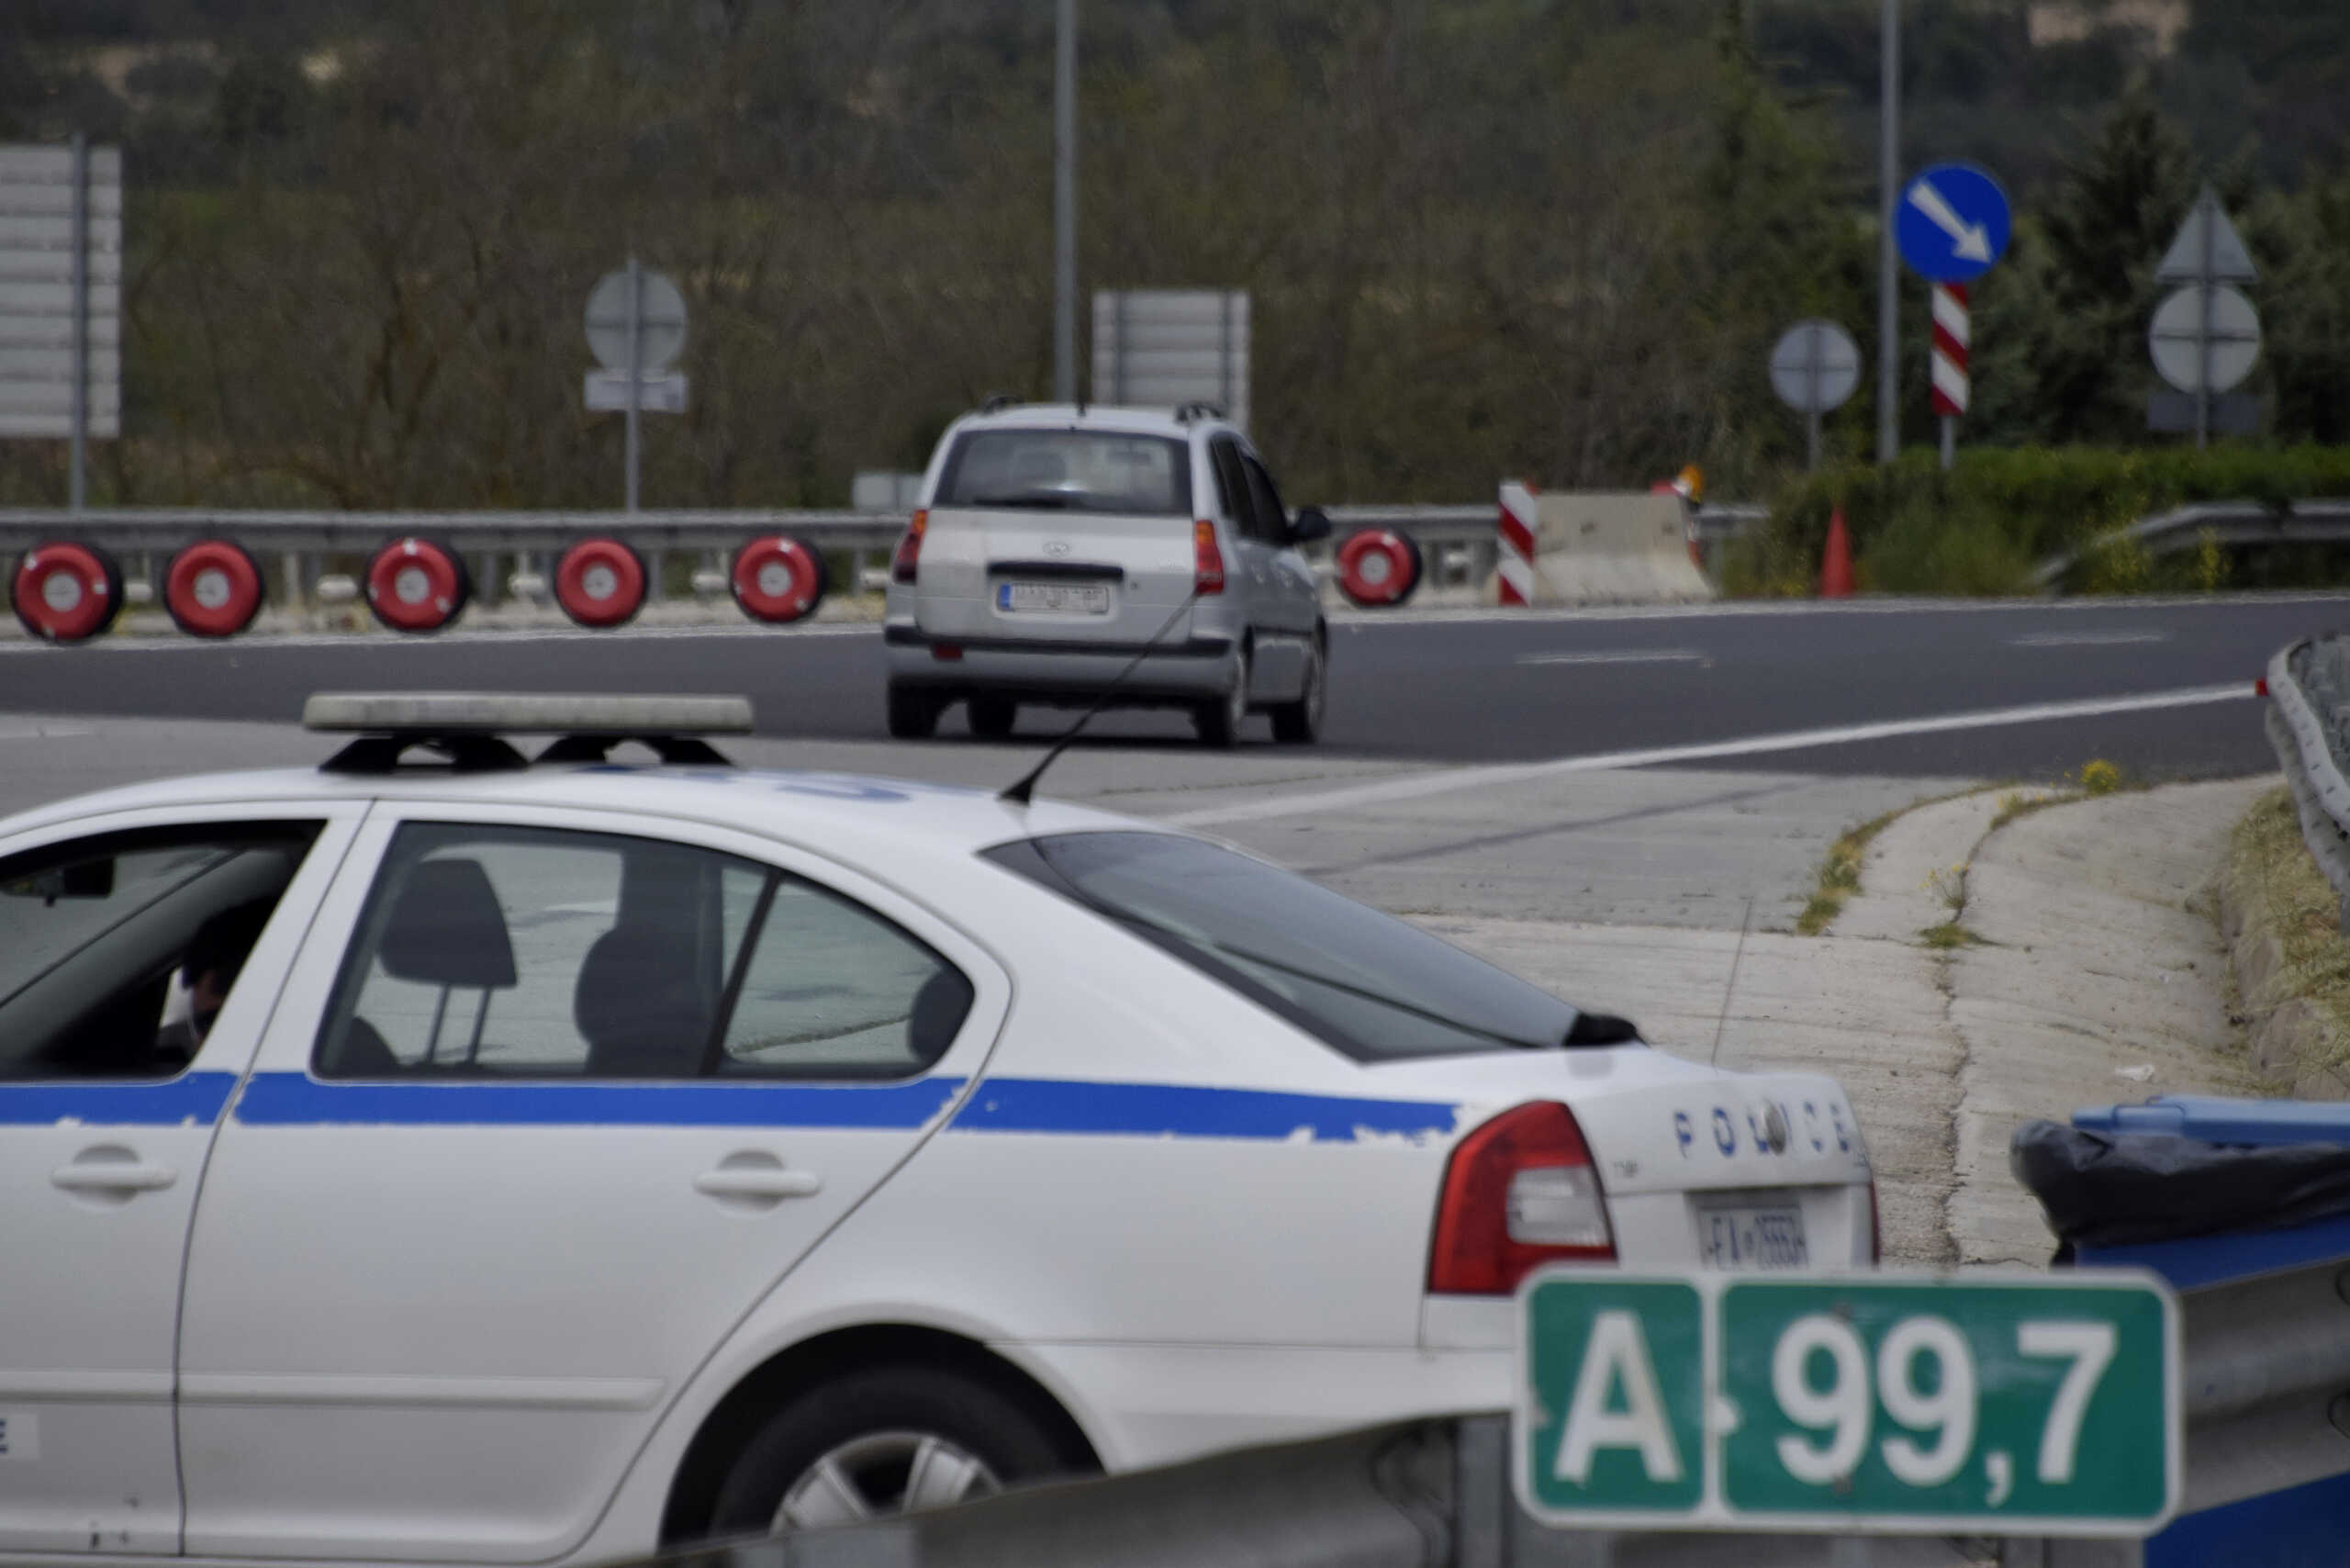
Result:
[{"x": 2208, "y": 248}]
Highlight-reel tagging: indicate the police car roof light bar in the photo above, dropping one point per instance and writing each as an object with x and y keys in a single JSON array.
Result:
[{"x": 469, "y": 727}]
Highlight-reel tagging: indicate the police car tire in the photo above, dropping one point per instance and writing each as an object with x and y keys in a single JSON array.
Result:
[
  {"x": 1378, "y": 569},
  {"x": 90, "y": 614},
  {"x": 992, "y": 1426},
  {"x": 221, "y": 570}
]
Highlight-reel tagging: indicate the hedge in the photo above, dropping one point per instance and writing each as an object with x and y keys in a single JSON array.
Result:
[{"x": 1983, "y": 527}]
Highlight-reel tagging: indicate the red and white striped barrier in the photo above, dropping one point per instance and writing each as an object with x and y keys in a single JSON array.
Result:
[
  {"x": 1514, "y": 583},
  {"x": 1951, "y": 381}
]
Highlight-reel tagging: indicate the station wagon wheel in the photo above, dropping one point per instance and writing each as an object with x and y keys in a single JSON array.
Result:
[
  {"x": 913, "y": 712},
  {"x": 1219, "y": 719},
  {"x": 886, "y": 1441},
  {"x": 1299, "y": 723},
  {"x": 991, "y": 716}
]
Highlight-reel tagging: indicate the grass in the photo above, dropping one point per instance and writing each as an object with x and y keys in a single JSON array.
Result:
[
  {"x": 1949, "y": 933},
  {"x": 1839, "y": 875},
  {"x": 2273, "y": 866}
]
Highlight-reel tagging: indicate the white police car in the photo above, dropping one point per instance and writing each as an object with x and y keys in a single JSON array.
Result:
[{"x": 503, "y": 1163}]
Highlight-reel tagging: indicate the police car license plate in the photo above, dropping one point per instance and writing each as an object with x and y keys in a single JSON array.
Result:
[
  {"x": 1752, "y": 1235},
  {"x": 1053, "y": 599}
]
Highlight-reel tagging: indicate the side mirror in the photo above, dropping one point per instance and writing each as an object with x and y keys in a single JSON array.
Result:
[
  {"x": 1310, "y": 524},
  {"x": 78, "y": 880}
]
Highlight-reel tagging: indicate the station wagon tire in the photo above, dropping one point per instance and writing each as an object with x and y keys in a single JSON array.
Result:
[
  {"x": 1299, "y": 723},
  {"x": 866, "y": 1444},
  {"x": 1219, "y": 719},
  {"x": 992, "y": 715},
  {"x": 914, "y": 713}
]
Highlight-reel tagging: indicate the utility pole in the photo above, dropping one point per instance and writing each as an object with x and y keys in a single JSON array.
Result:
[
  {"x": 1064, "y": 204},
  {"x": 1889, "y": 268}
]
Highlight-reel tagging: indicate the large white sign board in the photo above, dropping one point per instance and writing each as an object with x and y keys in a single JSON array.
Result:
[
  {"x": 1165, "y": 347},
  {"x": 38, "y": 243}
]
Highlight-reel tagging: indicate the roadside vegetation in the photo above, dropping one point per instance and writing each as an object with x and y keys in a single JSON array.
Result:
[
  {"x": 1839, "y": 875},
  {"x": 1553, "y": 239},
  {"x": 2285, "y": 906}
]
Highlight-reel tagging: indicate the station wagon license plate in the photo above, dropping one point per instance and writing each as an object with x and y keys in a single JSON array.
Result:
[
  {"x": 1752, "y": 1235},
  {"x": 1053, "y": 599}
]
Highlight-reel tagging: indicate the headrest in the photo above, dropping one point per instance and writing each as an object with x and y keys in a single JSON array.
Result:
[
  {"x": 447, "y": 929},
  {"x": 638, "y": 1006}
]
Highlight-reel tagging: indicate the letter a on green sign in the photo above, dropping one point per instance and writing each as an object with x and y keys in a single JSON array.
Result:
[{"x": 1614, "y": 1392}]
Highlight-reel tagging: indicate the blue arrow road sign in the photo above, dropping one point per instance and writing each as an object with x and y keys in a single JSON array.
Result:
[{"x": 1952, "y": 222}]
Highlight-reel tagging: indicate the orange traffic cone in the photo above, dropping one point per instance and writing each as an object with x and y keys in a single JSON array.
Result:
[{"x": 1836, "y": 566}]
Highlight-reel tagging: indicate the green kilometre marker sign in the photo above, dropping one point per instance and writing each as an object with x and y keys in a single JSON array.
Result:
[{"x": 2014, "y": 1404}]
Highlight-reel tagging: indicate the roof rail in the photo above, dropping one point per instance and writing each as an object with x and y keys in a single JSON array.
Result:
[
  {"x": 469, "y": 728},
  {"x": 1196, "y": 409},
  {"x": 999, "y": 401}
]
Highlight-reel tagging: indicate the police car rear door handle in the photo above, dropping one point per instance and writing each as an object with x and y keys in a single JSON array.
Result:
[
  {"x": 772, "y": 1182},
  {"x": 89, "y": 1174}
]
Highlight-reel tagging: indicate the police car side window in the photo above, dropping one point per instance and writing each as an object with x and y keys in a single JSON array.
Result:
[
  {"x": 525, "y": 952},
  {"x": 832, "y": 990},
  {"x": 117, "y": 952}
]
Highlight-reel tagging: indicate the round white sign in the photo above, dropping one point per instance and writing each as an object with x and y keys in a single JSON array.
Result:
[
  {"x": 660, "y": 322},
  {"x": 2176, "y": 338},
  {"x": 1815, "y": 366}
]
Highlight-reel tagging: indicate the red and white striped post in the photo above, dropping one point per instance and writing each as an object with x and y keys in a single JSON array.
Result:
[
  {"x": 1514, "y": 584},
  {"x": 1951, "y": 381}
]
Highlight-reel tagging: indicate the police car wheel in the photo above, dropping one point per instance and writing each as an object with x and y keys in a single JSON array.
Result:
[{"x": 884, "y": 1441}]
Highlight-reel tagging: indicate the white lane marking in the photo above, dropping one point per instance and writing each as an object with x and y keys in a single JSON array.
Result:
[
  {"x": 2085, "y": 639},
  {"x": 478, "y": 637},
  {"x": 45, "y": 732},
  {"x": 1447, "y": 615},
  {"x": 1419, "y": 786},
  {"x": 1621, "y": 656}
]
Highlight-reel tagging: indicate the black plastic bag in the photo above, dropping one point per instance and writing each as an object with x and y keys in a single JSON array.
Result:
[{"x": 2123, "y": 1189}]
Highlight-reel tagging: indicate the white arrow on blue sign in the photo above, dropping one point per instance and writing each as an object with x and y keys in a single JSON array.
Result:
[{"x": 1953, "y": 223}]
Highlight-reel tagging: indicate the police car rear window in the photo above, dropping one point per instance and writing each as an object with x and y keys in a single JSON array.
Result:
[
  {"x": 1067, "y": 470},
  {"x": 1372, "y": 986}
]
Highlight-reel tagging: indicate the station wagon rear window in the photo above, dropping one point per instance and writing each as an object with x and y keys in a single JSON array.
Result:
[
  {"x": 1067, "y": 470},
  {"x": 1372, "y": 986}
]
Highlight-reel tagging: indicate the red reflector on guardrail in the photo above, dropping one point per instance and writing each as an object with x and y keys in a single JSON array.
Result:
[
  {"x": 212, "y": 588},
  {"x": 67, "y": 592}
]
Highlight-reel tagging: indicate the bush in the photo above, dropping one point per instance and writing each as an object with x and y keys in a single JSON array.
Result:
[{"x": 1981, "y": 528}]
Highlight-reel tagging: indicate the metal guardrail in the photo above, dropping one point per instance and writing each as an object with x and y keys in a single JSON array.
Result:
[
  {"x": 2229, "y": 522},
  {"x": 2265, "y": 1385},
  {"x": 2308, "y": 714}
]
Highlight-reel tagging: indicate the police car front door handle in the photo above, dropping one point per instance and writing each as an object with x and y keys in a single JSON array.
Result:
[
  {"x": 113, "y": 1176},
  {"x": 759, "y": 1182}
]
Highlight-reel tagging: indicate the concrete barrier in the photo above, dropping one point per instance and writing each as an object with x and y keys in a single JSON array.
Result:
[{"x": 1606, "y": 547}]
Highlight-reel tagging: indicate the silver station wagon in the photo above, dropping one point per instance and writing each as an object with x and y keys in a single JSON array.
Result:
[{"x": 1062, "y": 551}]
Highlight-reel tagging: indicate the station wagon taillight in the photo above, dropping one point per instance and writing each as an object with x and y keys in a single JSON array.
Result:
[
  {"x": 909, "y": 555},
  {"x": 1519, "y": 1191},
  {"x": 1207, "y": 561}
]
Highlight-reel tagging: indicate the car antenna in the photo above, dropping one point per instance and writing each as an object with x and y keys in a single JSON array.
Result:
[
  {"x": 1019, "y": 794},
  {"x": 1731, "y": 989}
]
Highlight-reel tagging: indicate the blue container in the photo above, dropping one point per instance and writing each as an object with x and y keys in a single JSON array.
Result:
[{"x": 2308, "y": 1525}]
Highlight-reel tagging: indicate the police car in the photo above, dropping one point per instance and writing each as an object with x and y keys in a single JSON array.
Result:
[{"x": 491, "y": 1160}]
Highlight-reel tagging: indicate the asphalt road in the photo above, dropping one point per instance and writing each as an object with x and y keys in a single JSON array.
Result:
[{"x": 1487, "y": 689}]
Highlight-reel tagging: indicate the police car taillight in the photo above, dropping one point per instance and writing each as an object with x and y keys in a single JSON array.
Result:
[
  {"x": 1519, "y": 1191},
  {"x": 909, "y": 553}
]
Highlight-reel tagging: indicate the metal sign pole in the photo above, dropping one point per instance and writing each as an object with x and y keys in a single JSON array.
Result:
[
  {"x": 2206, "y": 281},
  {"x": 1065, "y": 205},
  {"x": 75, "y": 482},
  {"x": 1888, "y": 369},
  {"x": 1814, "y": 343},
  {"x": 635, "y": 367},
  {"x": 1950, "y": 441}
]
